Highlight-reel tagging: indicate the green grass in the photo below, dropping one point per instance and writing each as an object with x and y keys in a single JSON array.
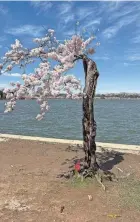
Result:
[
  {"x": 130, "y": 193},
  {"x": 78, "y": 183}
]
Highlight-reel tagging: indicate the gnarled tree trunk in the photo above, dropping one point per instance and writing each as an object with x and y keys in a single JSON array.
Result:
[{"x": 89, "y": 124}]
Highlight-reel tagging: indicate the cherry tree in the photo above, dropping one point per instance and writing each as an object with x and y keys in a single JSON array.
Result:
[{"x": 51, "y": 80}]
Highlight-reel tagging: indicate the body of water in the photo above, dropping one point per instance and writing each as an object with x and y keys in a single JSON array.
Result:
[{"x": 117, "y": 120}]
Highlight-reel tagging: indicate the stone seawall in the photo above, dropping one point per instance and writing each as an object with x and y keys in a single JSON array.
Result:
[{"x": 123, "y": 148}]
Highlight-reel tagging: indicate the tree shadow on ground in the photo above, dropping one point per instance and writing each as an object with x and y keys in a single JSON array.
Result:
[{"x": 106, "y": 159}]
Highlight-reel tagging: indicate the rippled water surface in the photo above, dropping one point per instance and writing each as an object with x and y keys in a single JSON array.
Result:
[{"x": 118, "y": 121}]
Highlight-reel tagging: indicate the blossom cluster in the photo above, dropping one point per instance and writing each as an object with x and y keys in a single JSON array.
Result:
[{"x": 48, "y": 79}]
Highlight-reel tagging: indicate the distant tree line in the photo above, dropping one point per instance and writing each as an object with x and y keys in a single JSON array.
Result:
[
  {"x": 98, "y": 95},
  {"x": 110, "y": 95},
  {"x": 118, "y": 95}
]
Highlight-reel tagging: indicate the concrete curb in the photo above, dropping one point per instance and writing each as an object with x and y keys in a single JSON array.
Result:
[
  {"x": 123, "y": 148},
  {"x": 3, "y": 139}
]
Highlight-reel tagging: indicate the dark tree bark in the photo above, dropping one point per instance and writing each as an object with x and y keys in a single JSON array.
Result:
[
  {"x": 1, "y": 94},
  {"x": 89, "y": 124}
]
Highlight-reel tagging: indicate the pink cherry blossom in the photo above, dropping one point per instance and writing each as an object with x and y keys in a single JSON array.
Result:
[{"x": 49, "y": 78}]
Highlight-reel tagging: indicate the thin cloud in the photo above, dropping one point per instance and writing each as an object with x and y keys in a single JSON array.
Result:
[
  {"x": 113, "y": 30},
  {"x": 122, "y": 9},
  {"x": 3, "y": 10},
  {"x": 3, "y": 86},
  {"x": 119, "y": 14},
  {"x": 12, "y": 74},
  {"x": 65, "y": 16},
  {"x": 2, "y": 38},
  {"x": 132, "y": 54},
  {"x": 128, "y": 20},
  {"x": 134, "y": 57},
  {"x": 30, "y": 30},
  {"x": 87, "y": 16},
  {"x": 69, "y": 18},
  {"x": 105, "y": 58},
  {"x": 42, "y": 7},
  {"x": 83, "y": 13},
  {"x": 64, "y": 8},
  {"x": 82, "y": 28},
  {"x": 108, "y": 7},
  {"x": 136, "y": 39},
  {"x": 92, "y": 23},
  {"x": 113, "y": 5},
  {"x": 69, "y": 33},
  {"x": 126, "y": 64}
]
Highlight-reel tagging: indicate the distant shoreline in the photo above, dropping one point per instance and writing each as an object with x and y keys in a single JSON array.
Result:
[
  {"x": 117, "y": 98},
  {"x": 110, "y": 96},
  {"x": 106, "y": 98}
]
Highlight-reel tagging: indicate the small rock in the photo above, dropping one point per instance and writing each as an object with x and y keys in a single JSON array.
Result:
[
  {"x": 90, "y": 197},
  {"x": 62, "y": 209}
]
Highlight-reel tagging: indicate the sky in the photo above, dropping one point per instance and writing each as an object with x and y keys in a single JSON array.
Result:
[{"x": 115, "y": 24}]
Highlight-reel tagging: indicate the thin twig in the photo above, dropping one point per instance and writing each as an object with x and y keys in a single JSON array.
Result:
[
  {"x": 99, "y": 180},
  {"x": 119, "y": 169}
]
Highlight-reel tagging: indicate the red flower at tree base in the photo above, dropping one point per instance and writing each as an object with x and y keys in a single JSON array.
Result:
[{"x": 77, "y": 167}]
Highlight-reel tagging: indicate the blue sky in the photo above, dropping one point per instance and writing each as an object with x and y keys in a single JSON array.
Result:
[{"x": 116, "y": 26}]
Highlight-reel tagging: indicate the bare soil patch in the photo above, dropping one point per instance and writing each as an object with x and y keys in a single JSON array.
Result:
[{"x": 30, "y": 189}]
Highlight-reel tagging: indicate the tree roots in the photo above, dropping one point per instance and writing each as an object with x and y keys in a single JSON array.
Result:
[
  {"x": 92, "y": 172},
  {"x": 100, "y": 175}
]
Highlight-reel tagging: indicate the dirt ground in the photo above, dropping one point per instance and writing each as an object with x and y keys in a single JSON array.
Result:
[{"x": 30, "y": 189}]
